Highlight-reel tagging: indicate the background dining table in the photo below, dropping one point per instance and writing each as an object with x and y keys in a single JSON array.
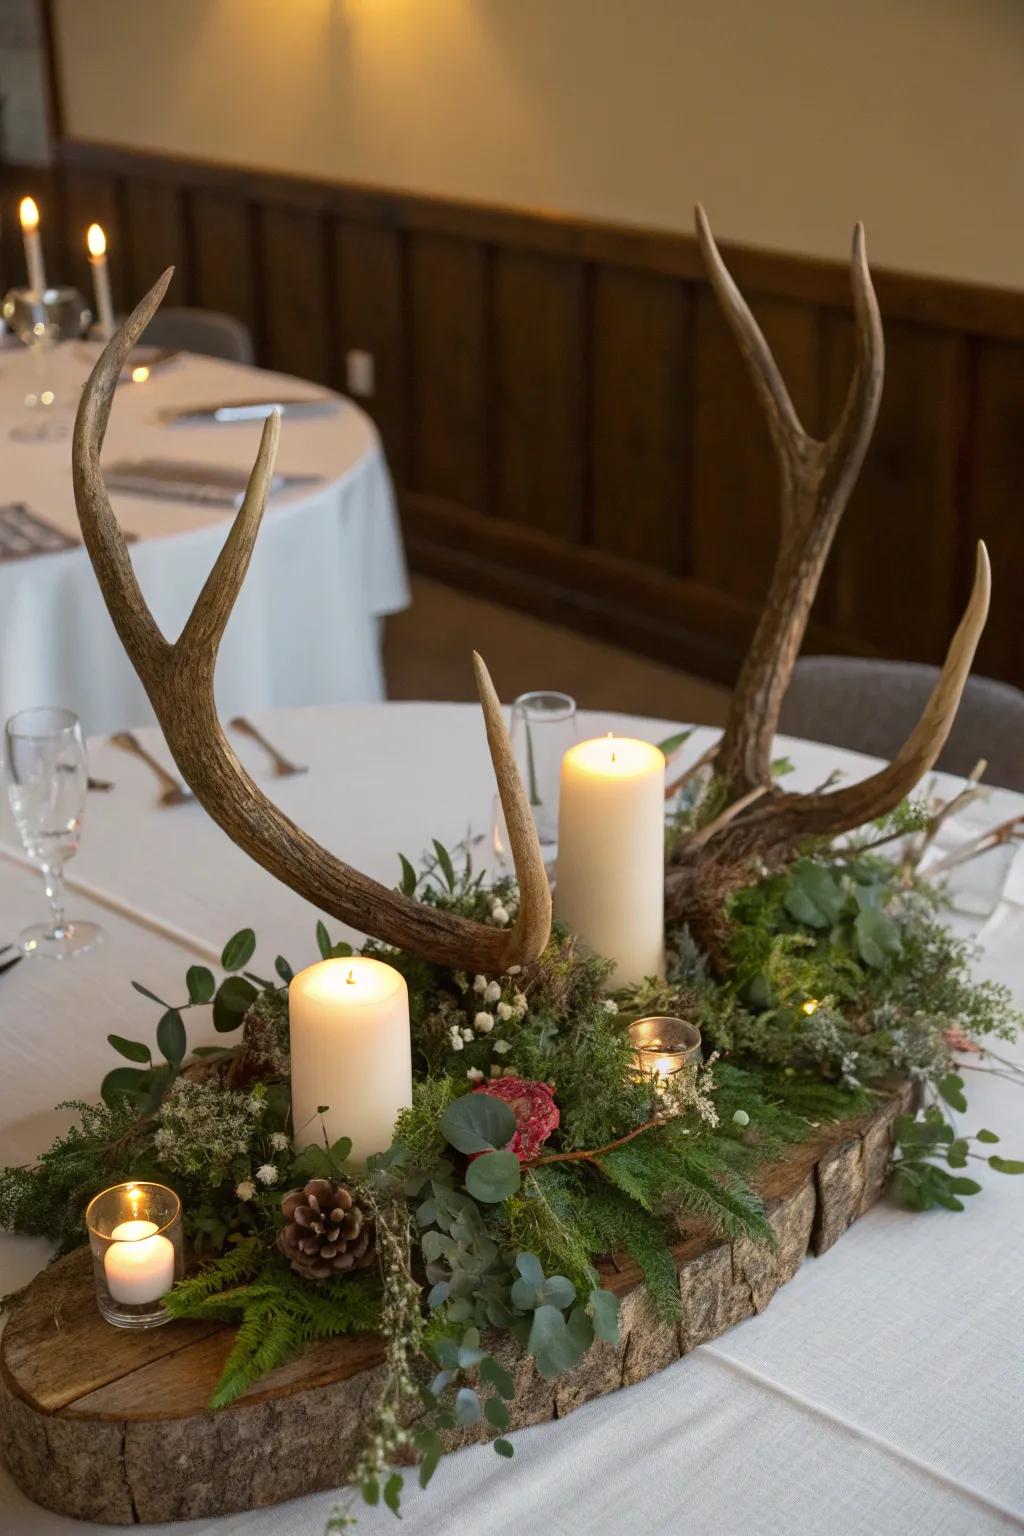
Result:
[
  {"x": 880, "y": 1392},
  {"x": 328, "y": 564}
]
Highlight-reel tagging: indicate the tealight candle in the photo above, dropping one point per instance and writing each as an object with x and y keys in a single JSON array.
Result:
[
  {"x": 611, "y": 853},
  {"x": 96, "y": 242},
  {"x": 135, "y": 1237},
  {"x": 28, "y": 214},
  {"x": 351, "y": 1053},
  {"x": 664, "y": 1046}
]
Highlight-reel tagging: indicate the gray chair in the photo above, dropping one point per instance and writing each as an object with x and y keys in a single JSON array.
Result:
[
  {"x": 200, "y": 330},
  {"x": 872, "y": 706}
]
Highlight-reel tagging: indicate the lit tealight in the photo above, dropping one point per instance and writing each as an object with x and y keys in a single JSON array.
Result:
[{"x": 140, "y": 375}]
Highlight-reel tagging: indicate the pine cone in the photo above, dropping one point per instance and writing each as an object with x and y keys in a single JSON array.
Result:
[{"x": 329, "y": 1231}]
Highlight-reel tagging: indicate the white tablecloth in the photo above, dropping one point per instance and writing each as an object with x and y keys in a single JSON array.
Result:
[
  {"x": 328, "y": 562},
  {"x": 880, "y": 1392}
]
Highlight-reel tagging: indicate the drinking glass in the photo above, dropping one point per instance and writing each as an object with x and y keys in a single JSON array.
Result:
[
  {"x": 975, "y": 887},
  {"x": 47, "y": 778},
  {"x": 543, "y": 729},
  {"x": 41, "y": 321}
]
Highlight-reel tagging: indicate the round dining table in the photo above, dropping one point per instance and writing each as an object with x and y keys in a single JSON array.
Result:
[
  {"x": 880, "y": 1392},
  {"x": 328, "y": 564}
]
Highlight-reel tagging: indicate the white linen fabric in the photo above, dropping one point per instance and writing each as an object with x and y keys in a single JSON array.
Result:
[
  {"x": 327, "y": 565},
  {"x": 881, "y": 1390}
]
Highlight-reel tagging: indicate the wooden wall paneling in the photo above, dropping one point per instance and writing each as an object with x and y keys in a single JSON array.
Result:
[
  {"x": 153, "y": 238},
  {"x": 92, "y": 197},
  {"x": 641, "y": 407},
  {"x": 891, "y": 577},
  {"x": 735, "y": 507},
  {"x": 448, "y": 374},
  {"x": 370, "y": 309},
  {"x": 995, "y": 502},
  {"x": 297, "y": 296},
  {"x": 224, "y": 274},
  {"x": 538, "y": 392}
]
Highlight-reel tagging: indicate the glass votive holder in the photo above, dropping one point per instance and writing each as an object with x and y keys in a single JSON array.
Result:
[
  {"x": 135, "y": 1234},
  {"x": 664, "y": 1046}
]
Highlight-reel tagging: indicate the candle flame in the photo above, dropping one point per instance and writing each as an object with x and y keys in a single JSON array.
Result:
[
  {"x": 96, "y": 240},
  {"x": 28, "y": 213}
]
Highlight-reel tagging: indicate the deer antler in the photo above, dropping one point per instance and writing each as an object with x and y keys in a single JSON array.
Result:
[
  {"x": 817, "y": 478},
  {"x": 759, "y": 830},
  {"x": 178, "y": 678}
]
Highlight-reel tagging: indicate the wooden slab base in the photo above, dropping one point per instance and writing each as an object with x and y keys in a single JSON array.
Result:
[{"x": 107, "y": 1425}]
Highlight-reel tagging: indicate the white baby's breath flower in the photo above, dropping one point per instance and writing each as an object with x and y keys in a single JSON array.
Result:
[
  {"x": 493, "y": 992},
  {"x": 501, "y": 1047},
  {"x": 611, "y": 1006},
  {"x": 467, "y": 1034},
  {"x": 483, "y": 1023},
  {"x": 279, "y": 1141},
  {"x": 504, "y": 1011},
  {"x": 268, "y": 1174},
  {"x": 475, "y": 1075},
  {"x": 457, "y": 1043},
  {"x": 480, "y": 984},
  {"x": 245, "y": 1190}
]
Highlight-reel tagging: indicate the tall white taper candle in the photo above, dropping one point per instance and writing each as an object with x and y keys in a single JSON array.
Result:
[
  {"x": 611, "y": 853},
  {"x": 96, "y": 242},
  {"x": 351, "y": 1051},
  {"x": 29, "y": 216}
]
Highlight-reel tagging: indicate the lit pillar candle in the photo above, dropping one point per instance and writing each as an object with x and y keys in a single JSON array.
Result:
[
  {"x": 29, "y": 215},
  {"x": 351, "y": 1051},
  {"x": 611, "y": 853},
  {"x": 139, "y": 1264},
  {"x": 96, "y": 241}
]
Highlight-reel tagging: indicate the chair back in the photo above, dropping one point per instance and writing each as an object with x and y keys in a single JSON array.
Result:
[
  {"x": 871, "y": 706},
  {"x": 200, "y": 330}
]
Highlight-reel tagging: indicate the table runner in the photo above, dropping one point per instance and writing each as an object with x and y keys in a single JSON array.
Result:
[{"x": 879, "y": 1392}]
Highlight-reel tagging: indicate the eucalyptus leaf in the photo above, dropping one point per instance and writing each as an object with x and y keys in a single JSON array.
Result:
[
  {"x": 878, "y": 938},
  {"x": 558, "y": 1291},
  {"x": 503, "y": 1447},
  {"x": 444, "y": 859},
  {"x": 493, "y": 1177},
  {"x": 323, "y": 941},
  {"x": 134, "y": 1050},
  {"x": 531, "y": 1269},
  {"x": 393, "y": 1492},
  {"x": 151, "y": 995},
  {"x": 122, "y": 1082},
  {"x": 604, "y": 1309},
  {"x": 496, "y": 1413},
  {"x": 951, "y": 1087},
  {"x": 495, "y": 1375},
  {"x": 989, "y": 1137},
  {"x": 409, "y": 881},
  {"x": 1005, "y": 1164},
  {"x": 283, "y": 969},
  {"x": 201, "y": 984},
  {"x": 171, "y": 1037},
  {"x": 478, "y": 1122},
  {"x": 467, "y": 1407},
  {"x": 234, "y": 997},
  {"x": 239, "y": 950}
]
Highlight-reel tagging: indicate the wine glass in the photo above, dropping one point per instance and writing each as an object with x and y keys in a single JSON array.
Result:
[
  {"x": 47, "y": 778},
  {"x": 41, "y": 321},
  {"x": 543, "y": 729}
]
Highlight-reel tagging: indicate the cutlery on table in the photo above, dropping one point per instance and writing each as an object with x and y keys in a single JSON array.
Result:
[
  {"x": 174, "y": 791},
  {"x": 98, "y": 784},
  {"x": 283, "y": 766},
  {"x": 9, "y": 964}
]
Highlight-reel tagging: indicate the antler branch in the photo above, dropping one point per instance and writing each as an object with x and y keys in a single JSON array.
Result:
[
  {"x": 817, "y": 478},
  {"x": 178, "y": 679}
]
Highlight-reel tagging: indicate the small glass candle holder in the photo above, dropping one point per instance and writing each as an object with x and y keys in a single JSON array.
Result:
[
  {"x": 137, "y": 1254},
  {"x": 664, "y": 1047}
]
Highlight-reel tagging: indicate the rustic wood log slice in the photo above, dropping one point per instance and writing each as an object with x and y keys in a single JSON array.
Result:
[{"x": 108, "y": 1425}]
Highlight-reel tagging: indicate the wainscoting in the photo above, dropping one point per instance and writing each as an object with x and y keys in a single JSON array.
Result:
[{"x": 567, "y": 419}]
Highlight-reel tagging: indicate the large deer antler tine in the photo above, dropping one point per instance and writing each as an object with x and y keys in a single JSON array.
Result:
[
  {"x": 771, "y": 388},
  {"x": 534, "y": 888},
  {"x": 849, "y": 442},
  {"x": 103, "y": 539},
  {"x": 843, "y": 809},
  {"x": 206, "y": 623}
]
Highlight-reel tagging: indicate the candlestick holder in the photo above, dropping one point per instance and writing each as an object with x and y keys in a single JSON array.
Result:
[
  {"x": 135, "y": 1235},
  {"x": 664, "y": 1046}
]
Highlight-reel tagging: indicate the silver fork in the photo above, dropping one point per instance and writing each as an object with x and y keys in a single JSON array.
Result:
[
  {"x": 283, "y": 766},
  {"x": 174, "y": 791}
]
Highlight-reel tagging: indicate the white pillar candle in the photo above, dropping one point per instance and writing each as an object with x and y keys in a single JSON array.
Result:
[
  {"x": 139, "y": 1264},
  {"x": 29, "y": 215},
  {"x": 611, "y": 853},
  {"x": 351, "y": 1051},
  {"x": 96, "y": 242}
]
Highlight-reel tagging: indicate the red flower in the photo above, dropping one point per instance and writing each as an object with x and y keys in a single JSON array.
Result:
[{"x": 535, "y": 1110}]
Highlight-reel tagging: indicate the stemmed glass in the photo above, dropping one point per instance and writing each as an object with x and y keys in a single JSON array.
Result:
[
  {"x": 543, "y": 729},
  {"x": 41, "y": 321},
  {"x": 47, "y": 779}
]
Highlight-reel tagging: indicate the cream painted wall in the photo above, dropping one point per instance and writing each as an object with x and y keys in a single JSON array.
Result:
[{"x": 788, "y": 118}]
